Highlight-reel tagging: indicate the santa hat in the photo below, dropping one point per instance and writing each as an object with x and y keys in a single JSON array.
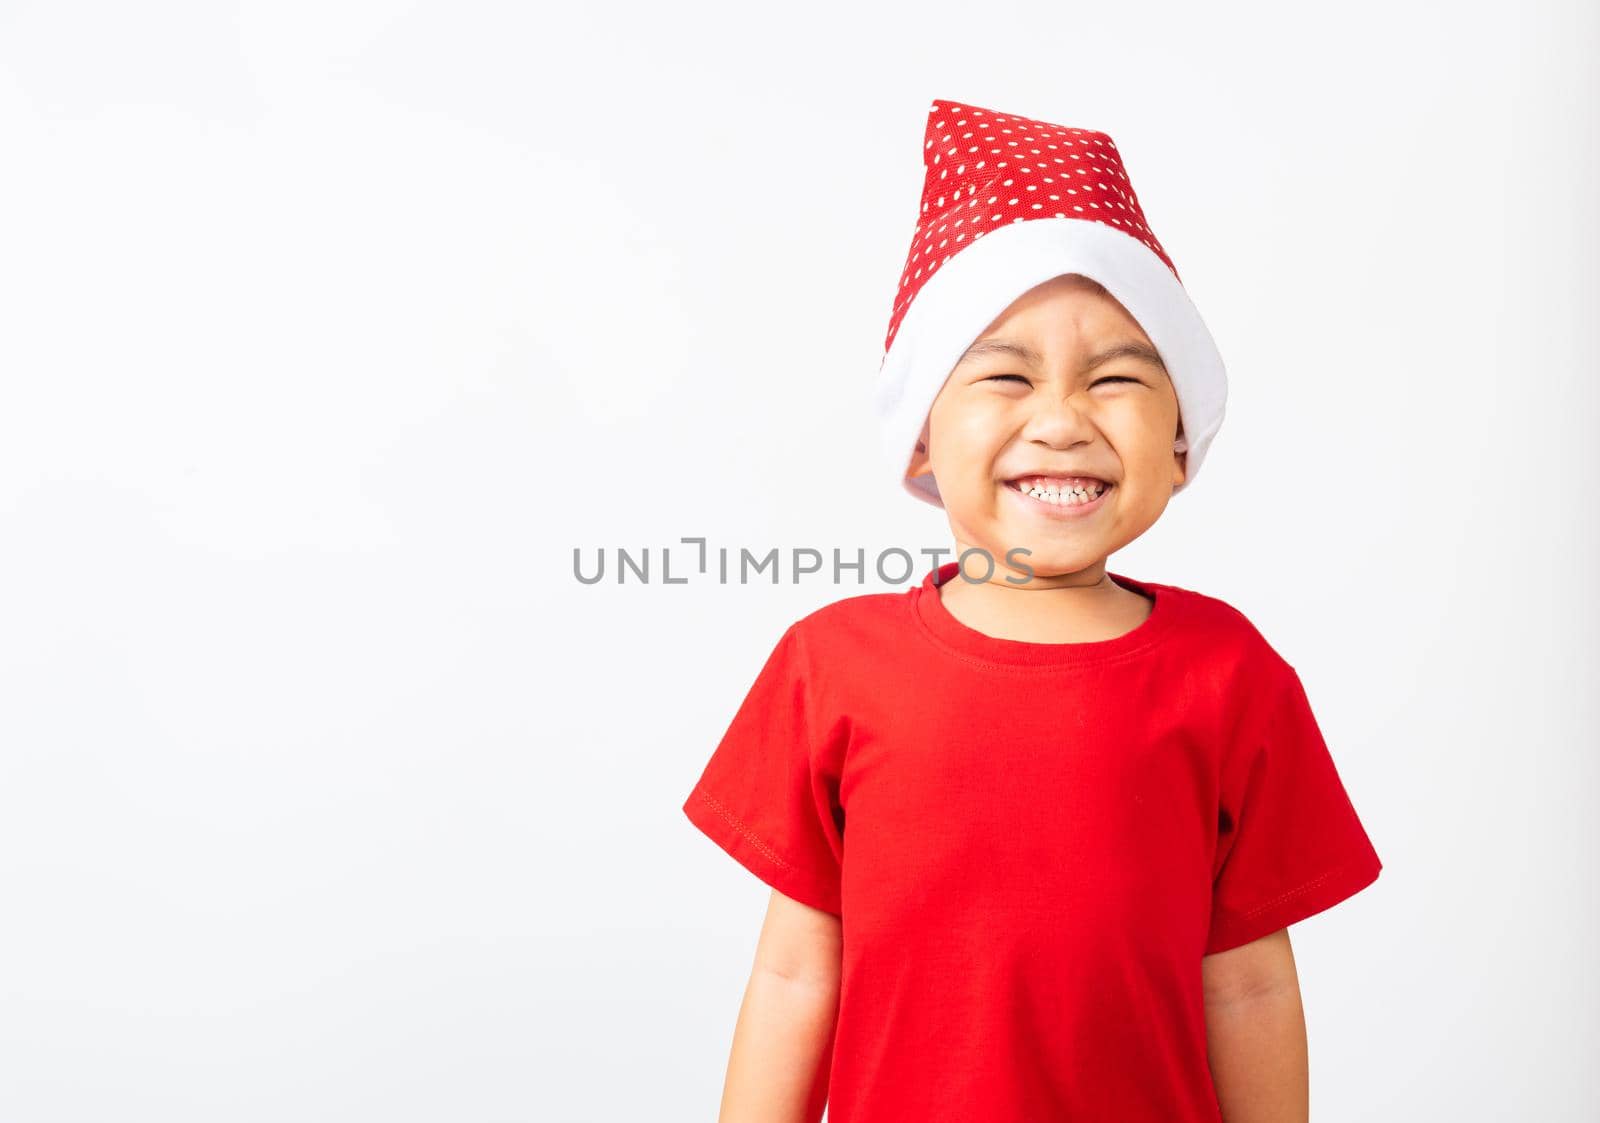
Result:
[{"x": 1007, "y": 204}]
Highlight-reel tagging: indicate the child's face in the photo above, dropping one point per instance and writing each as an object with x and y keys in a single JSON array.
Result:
[{"x": 1001, "y": 416}]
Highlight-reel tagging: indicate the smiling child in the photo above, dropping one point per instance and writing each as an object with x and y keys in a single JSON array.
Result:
[{"x": 1035, "y": 830}]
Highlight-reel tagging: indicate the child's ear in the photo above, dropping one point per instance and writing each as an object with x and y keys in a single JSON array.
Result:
[
  {"x": 1180, "y": 460},
  {"x": 920, "y": 464}
]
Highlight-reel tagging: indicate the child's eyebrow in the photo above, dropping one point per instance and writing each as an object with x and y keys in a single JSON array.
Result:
[
  {"x": 1128, "y": 349},
  {"x": 1001, "y": 347},
  {"x": 1131, "y": 349}
]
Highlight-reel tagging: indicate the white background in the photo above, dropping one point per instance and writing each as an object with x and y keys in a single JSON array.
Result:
[{"x": 330, "y": 330}]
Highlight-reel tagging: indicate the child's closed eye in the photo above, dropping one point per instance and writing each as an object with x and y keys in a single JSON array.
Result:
[{"x": 1096, "y": 382}]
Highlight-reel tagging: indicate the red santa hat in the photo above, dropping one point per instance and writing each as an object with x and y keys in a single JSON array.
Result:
[{"x": 1007, "y": 204}]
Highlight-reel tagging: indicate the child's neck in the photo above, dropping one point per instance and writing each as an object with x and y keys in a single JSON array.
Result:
[{"x": 1086, "y": 606}]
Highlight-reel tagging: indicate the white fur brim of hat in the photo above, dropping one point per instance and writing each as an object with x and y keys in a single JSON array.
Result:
[{"x": 973, "y": 287}]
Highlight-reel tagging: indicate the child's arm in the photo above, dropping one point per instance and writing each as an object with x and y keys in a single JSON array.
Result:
[
  {"x": 1256, "y": 1032},
  {"x": 783, "y": 1041}
]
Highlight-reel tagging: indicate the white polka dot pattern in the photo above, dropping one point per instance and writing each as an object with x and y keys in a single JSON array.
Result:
[{"x": 985, "y": 169}]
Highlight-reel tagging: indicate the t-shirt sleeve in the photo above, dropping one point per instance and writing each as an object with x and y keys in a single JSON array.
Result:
[
  {"x": 768, "y": 796},
  {"x": 1290, "y": 843}
]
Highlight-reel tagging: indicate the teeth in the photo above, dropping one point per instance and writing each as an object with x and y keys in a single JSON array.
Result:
[{"x": 1063, "y": 496}]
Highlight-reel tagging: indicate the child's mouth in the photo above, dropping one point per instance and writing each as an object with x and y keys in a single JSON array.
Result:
[{"x": 1073, "y": 495}]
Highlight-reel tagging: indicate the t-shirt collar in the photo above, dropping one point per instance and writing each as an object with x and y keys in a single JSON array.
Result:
[{"x": 952, "y": 634}]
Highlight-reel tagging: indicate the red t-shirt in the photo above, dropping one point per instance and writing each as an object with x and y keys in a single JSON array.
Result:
[{"x": 1031, "y": 845}]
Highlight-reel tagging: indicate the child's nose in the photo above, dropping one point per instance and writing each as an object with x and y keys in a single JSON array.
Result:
[{"x": 1061, "y": 419}]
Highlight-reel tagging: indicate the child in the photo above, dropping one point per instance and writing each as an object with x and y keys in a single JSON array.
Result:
[{"x": 1035, "y": 835}]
